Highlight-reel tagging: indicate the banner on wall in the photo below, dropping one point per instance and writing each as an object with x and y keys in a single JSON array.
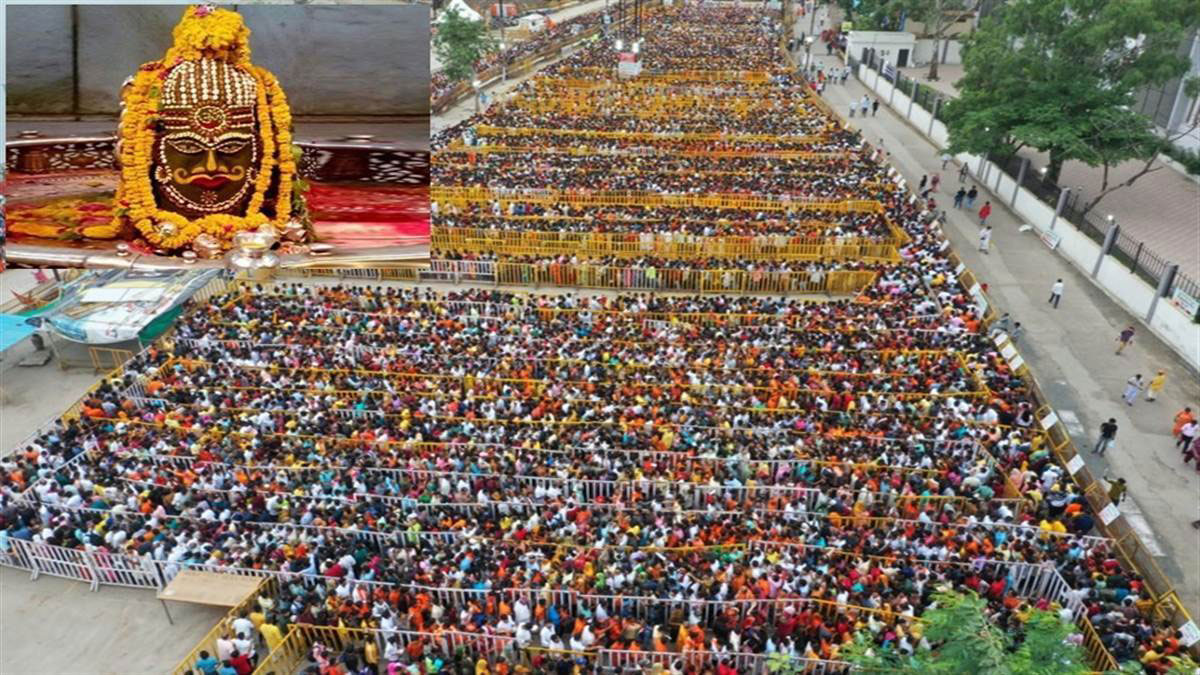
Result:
[{"x": 1185, "y": 302}]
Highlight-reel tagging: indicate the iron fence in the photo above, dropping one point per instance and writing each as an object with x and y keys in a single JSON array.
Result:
[{"x": 1035, "y": 181}]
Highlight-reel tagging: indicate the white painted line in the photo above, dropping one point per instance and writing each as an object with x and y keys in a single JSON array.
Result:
[
  {"x": 1069, "y": 418},
  {"x": 1133, "y": 515}
]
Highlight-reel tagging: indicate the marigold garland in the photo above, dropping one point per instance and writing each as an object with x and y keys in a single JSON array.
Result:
[{"x": 202, "y": 33}]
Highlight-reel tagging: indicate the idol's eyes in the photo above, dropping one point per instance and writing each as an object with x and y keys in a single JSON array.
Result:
[
  {"x": 188, "y": 146},
  {"x": 185, "y": 145},
  {"x": 231, "y": 146}
]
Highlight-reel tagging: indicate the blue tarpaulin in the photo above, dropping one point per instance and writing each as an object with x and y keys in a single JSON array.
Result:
[{"x": 13, "y": 329}]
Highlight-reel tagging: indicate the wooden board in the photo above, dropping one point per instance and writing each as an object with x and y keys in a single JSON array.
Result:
[{"x": 209, "y": 588}]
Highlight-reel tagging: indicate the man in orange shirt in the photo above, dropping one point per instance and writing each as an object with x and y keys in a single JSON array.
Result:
[{"x": 1181, "y": 418}]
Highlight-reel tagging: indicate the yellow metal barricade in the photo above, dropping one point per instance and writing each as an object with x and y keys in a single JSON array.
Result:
[
  {"x": 104, "y": 358},
  {"x": 669, "y": 246}
]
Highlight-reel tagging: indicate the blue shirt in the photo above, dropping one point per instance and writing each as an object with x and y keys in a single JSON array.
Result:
[{"x": 207, "y": 666}]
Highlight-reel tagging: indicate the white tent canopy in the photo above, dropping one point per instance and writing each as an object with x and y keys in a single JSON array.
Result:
[{"x": 464, "y": 10}]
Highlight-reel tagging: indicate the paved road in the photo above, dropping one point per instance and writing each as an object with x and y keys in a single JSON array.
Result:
[
  {"x": 114, "y": 631},
  {"x": 1071, "y": 352}
]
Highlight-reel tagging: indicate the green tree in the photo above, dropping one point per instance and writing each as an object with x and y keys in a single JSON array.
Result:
[
  {"x": 459, "y": 42},
  {"x": 1061, "y": 76},
  {"x": 966, "y": 642}
]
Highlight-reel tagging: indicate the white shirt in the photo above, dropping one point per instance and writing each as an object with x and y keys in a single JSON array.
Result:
[
  {"x": 521, "y": 612},
  {"x": 243, "y": 626},
  {"x": 225, "y": 648},
  {"x": 1057, "y": 288}
]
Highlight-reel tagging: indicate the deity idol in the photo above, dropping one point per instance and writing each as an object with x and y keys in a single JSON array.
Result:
[{"x": 205, "y": 141}]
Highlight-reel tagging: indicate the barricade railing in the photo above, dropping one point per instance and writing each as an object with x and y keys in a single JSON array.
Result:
[
  {"x": 528, "y": 301},
  {"x": 484, "y": 148},
  {"x": 486, "y": 130},
  {"x": 761, "y": 431},
  {"x": 960, "y": 450},
  {"x": 1029, "y": 580},
  {"x": 668, "y": 246},
  {"x": 649, "y": 278},
  {"x": 94, "y": 567},
  {"x": 106, "y": 359},
  {"x": 293, "y": 653},
  {"x": 488, "y": 387},
  {"x": 461, "y": 196},
  {"x": 218, "y": 285},
  {"x": 460, "y": 270},
  {"x": 614, "y": 495}
]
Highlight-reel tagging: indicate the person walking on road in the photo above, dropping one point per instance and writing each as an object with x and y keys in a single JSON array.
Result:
[
  {"x": 1193, "y": 452},
  {"x": 924, "y": 182},
  {"x": 1133, "y": 387},
  {"x": 1181, "y": 418},
  {"x": 945, "y": 159},
  {"x": 1186, "y": 435},
  {"x": 1116, "y": 490},
  {"x": 963, "y": 172},
  {"x": 985, "y": 237},
  {"x": 1017, "y": 331},
  {"x": 971, "y": 195},
  {"x": 874, "y": 107},
  {"x": 984, "y": 212},
  {"x": 1125, "y": 339},
  {"x": 1156, "y": 385},
  {"x": 935, "y": 181},
  {"x": 959, "y": 197},
  {"x": 1056, "y": 293},
  {"x": 1108, "y": 436},
  {"x": 866, "y": 103}
]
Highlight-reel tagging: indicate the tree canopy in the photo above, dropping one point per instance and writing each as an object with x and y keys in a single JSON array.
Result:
[
  {"x": 459, "y": 42},
  {"x": 1062, "y": 76},
  {"x": 965, "y": 641}
]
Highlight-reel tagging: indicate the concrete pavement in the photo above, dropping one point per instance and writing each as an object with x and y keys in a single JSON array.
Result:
[
  {"x": 1070, "y": 350},
  {"x": 57, "y": 627}
]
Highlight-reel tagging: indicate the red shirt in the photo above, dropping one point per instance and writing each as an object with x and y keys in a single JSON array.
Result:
[{"x": 241, "y": 663}]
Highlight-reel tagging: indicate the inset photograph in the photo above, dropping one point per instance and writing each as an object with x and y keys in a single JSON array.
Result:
[{"x": 237, "y": 136}]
